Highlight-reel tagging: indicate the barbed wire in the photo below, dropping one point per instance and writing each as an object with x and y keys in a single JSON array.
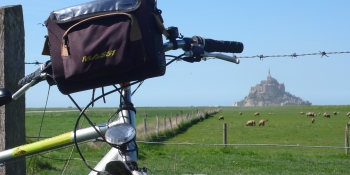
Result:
[
  {"x": 294, "y": 55},
  {"x": 36, "y": 63},
  {"x": 275, "y": 145},
  {"x": 261, "y": 57}
]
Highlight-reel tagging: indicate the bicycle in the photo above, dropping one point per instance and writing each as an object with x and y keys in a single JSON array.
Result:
[{"x": 118, "y": 133}]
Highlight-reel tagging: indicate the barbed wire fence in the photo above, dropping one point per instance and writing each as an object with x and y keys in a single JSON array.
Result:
[
  {"x": 261, "y": 57},
  {"x": 294, "y": 55}
]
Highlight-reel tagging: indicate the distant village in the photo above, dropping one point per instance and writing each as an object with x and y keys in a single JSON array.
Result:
[{"x": 271, "y": 93}]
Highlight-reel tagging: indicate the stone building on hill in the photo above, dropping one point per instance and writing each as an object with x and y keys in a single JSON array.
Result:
[{"x": 270, "y": 93}]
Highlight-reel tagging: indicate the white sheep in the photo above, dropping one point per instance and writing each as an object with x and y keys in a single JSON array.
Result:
[
  {"x": 250, "y": 123},
  {"x": 262, "y": 122},
  {"x": 256, "y": 114},
  {"x": 221, "y": 118},
  {"x": 326, "y": 115},
  {"x": 311, "y": 114}
]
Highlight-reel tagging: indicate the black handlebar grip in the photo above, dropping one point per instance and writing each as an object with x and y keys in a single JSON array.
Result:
[
  {"x": 29, "y": 78},
  {"x": 211, "y": 45}
]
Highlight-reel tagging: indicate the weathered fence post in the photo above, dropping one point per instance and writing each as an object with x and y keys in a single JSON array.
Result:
[
  {"x": 225, "y": 134},
  {"x": 164, "y": 122},
  {"x": 12, "y": 115},
  {"x": 145, "y": 125},
  {"x": 347, "y": 138},
  {"x": 171, "y": 125},
  {"x": 176, "y": 119},
  {"x": 181, "y": 116},
  {"x": 157, "y": 124}
]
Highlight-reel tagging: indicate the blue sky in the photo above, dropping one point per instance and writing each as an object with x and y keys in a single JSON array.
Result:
[{"x": 268, "y": 27}]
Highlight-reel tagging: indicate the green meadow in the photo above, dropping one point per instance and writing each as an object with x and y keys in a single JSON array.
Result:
[{"x": 288, "y": 143}]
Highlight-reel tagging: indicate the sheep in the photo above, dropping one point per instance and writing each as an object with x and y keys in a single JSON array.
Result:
[
  {"x": 312, "y": 120},
  {"x": 221, "y": 118},
  {"x": 301, "y": 113},
  {"x": 240, "y": 113},
  {"x": 262, "y": 122},
  {"x": 311, "y": 114},
  {"x": 326, "y": 115},
  {"x": 256, "y": 114},
  {"x": 250, "y": 123},
  {"x": 335, "y": 113},
  {"x": 348, "y": 114}
]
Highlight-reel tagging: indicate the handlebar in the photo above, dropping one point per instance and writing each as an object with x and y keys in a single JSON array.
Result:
[
  {"x": 41, "y": 74},
  {"x": 209, "y": 45}
]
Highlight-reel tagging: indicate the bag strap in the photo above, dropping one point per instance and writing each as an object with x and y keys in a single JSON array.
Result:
[
  {"x": 160, "y": 25},
  {"x": 46, "y": 49},
  {"x": 135, "y": 33}
]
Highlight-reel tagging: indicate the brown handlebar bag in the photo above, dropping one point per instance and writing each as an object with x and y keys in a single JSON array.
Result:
[{"x": 105, "y": 42}]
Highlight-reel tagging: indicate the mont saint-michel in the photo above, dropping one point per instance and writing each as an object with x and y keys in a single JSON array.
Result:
[{"x": 270, "y": 93}]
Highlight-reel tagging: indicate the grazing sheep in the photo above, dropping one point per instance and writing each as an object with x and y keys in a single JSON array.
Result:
[
  {"x": 301, "y": 113},
  {"x": 312, "y": 120},
  {"x": 256, "y": 114},
  {"x": 240, "y": 113},
  {"x": 262, "y": 122},
  {"x": 319, "y": 113},
  {"x": 326, "y": 115},
  {"x": 348, "y": 114},
  {"x": 250, "y": 123},
  {"x": 311, "y": 114},
  {"x": 335, "y": 113},
  {"x": 221, "y": 118}
]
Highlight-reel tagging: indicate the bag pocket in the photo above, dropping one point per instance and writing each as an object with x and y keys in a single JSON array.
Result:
[{"x": 102, "y": 46}]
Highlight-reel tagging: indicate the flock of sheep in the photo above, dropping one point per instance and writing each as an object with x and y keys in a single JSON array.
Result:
[
  {"x": 250, "y": 122},
  {"x": 326, "y": 115},
  {"x": 308, "y": 114}
]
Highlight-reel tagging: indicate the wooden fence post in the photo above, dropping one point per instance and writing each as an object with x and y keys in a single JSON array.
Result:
[
  {"x": 171, "y": 125},
  {"x": 145, "y": 125},
  {"x": 157, "y": 124},
  {"x": 12, "y": 115},
  {"x": 164, "y": 122},
  {"x": 176, "y": 119},
  {"x": 347, "y": 139},
  {"x": 225, "y": 134}
]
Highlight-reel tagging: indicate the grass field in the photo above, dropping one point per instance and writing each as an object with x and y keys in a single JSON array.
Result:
[{"x": 288, "y": 144}]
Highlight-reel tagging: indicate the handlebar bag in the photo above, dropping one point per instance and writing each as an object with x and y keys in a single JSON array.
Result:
[{"x": 105, "y": 42}]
